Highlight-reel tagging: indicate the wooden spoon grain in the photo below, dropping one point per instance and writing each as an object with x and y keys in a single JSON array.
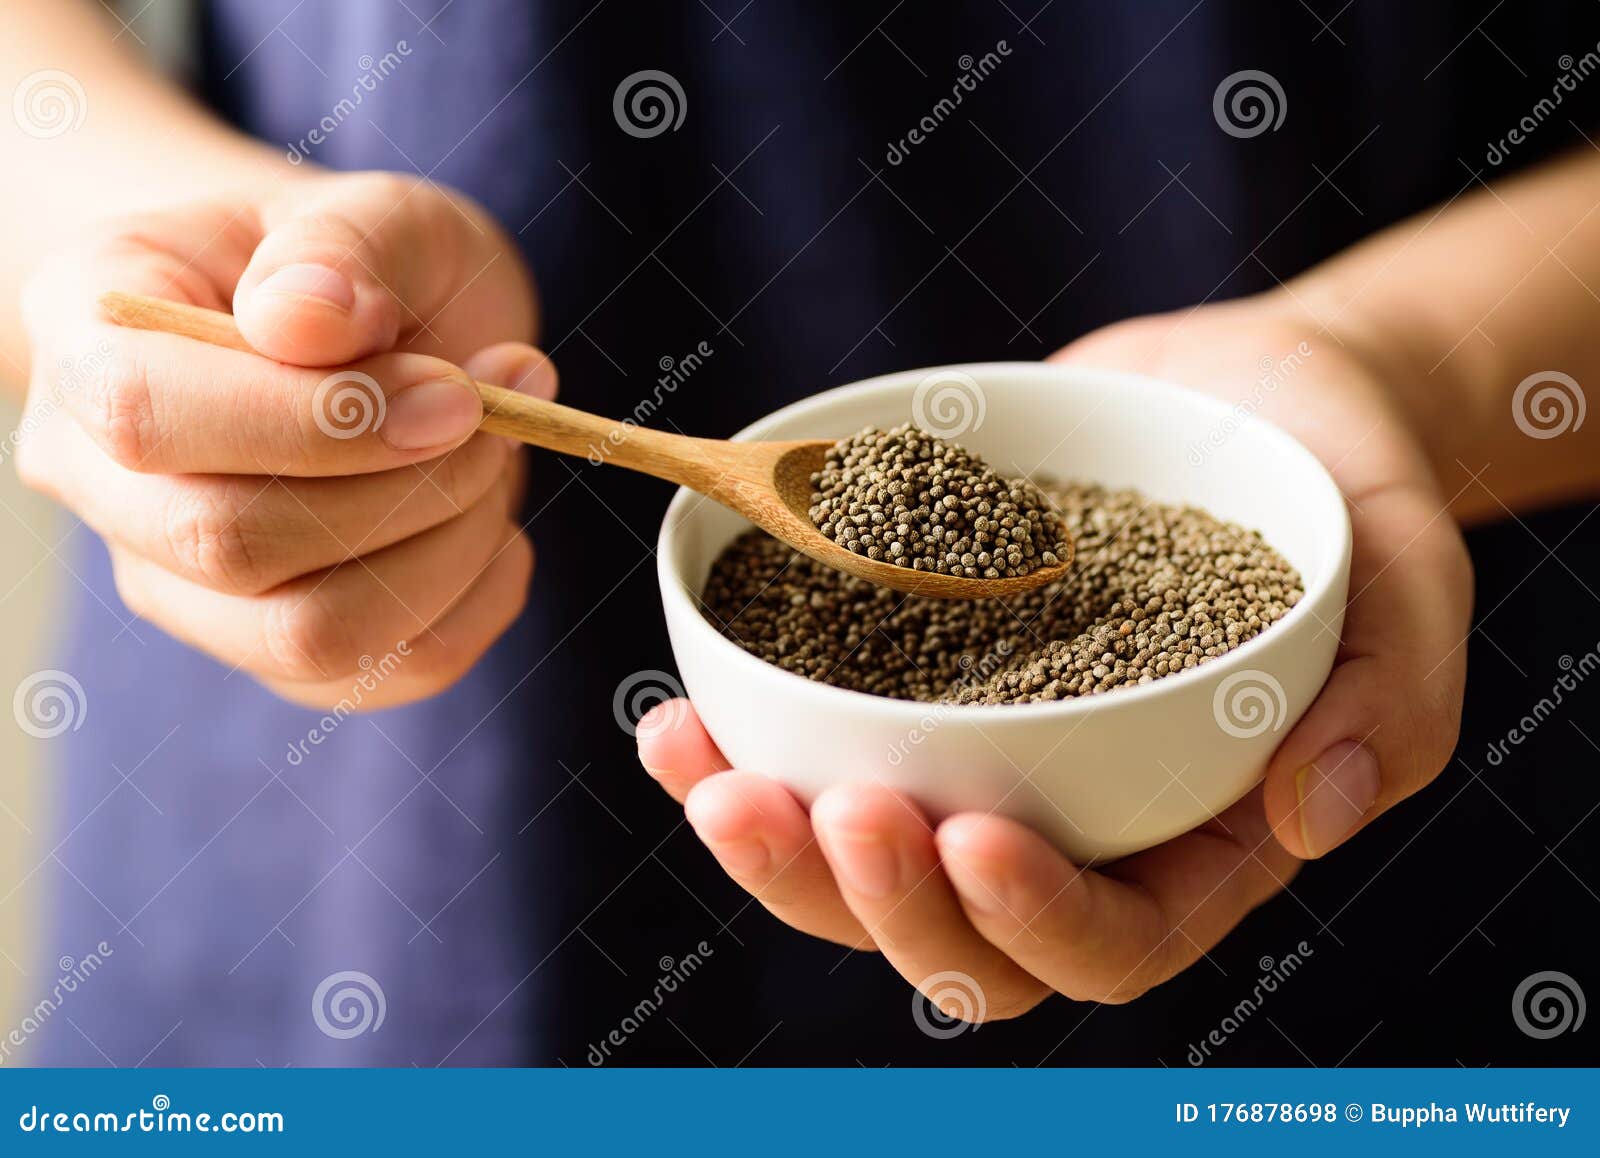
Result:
[{"x": 768, "y": 483}]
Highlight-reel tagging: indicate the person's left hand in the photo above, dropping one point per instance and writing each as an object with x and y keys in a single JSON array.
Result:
[{"x": 983, "y": 895}]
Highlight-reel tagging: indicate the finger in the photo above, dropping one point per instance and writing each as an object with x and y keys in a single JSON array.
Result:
[
  {"x": 761, "y": 837},
  {"x": 350, "y": 267},
  {"x": 515, "y": 366},
  {"x": 194, "y": 256},
  {"x": 1386, "y": 722},
  {"x": 319, "y": 627},
  {"x": 157, "y": 403},
  {"x": 675, "y": 748},
  {"x": 518, "y": 367},
  {"x": 881, "y": 851},
  {"x": 438, "y": 658},
  {"x": 1110, "y": 936},
  {"x": 246, "y": 534}
]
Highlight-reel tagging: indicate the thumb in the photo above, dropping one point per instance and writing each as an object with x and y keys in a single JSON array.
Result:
[
  {"x": 345, "y": 267},
  {"x": 1386, "y": 722}
]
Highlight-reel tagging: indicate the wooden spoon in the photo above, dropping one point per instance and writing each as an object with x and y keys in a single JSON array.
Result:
[{"x": 768, "y": 483}]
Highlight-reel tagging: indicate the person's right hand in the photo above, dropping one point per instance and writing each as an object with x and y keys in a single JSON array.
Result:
[{"x": 293, "y": 522}]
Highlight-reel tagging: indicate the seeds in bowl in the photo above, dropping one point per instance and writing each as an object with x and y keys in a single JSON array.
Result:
[
  {"x": 905, "y": 497},
  {"x": 1154, "y": 589}
]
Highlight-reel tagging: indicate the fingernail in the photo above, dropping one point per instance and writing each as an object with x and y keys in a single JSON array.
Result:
[
  {"x": 312, "y": 281},
  {"x": 868, "y": 863},
  {"x": 431, "y": 414},
  {"x": 984, "y": 894},
  {"x": 1336, "y": 790},
  {"x": 742, "y": 856}
]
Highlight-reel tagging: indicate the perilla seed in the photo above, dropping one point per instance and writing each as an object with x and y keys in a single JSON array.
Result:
[
  {"x": 1154, "y": 590},
  {"x": 937, "y": 502}
]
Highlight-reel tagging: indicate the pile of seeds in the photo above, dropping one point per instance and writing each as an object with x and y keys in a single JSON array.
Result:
[
  {"x": 903, "y": 496},
  {"x": 1154, "y": 590}
]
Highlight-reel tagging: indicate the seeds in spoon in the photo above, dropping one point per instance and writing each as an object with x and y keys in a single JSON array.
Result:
[{"x": 905, "y": 497}]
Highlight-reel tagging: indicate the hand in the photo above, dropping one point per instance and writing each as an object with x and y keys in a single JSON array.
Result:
[
  {"x": 294, "y": 523},
  {"x": 985, "y": 896}
]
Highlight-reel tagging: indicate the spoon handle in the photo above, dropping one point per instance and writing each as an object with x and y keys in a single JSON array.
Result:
[{"x": 691, "y": 462}]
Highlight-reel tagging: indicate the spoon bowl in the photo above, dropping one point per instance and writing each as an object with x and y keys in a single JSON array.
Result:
[
  {"x": 790, "y": 481},
  {"x": 768, "y": 483}
]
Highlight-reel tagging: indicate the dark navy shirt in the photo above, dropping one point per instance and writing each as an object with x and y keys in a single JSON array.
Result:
[{"x": 493, "y": 861}]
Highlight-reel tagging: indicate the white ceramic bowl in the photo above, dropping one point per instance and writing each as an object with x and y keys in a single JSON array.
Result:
[{"x": 1103, "y": 775}]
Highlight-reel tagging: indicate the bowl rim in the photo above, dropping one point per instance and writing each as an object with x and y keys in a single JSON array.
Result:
[{"x": 675, "y": 588}]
